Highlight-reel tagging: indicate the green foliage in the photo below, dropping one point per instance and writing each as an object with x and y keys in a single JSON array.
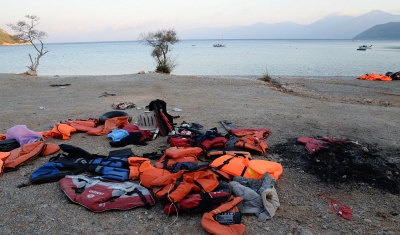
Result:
[
  {"x": 161, "y": 41},
  {"x": 163, "y": 69},
  {"x": 7, "y": 38},
  {"x": 266, "y": 77}
]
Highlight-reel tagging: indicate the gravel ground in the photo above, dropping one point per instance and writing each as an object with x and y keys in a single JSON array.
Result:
[{"x": 291, "y": 107}]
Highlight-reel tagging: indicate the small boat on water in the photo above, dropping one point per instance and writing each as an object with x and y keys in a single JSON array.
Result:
[
  {"x": 364, "y": 47},
  {"x": 218, "y": 44}
]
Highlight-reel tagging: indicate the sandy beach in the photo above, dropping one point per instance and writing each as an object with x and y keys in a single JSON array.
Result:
[{"x": 341, "y": 107}]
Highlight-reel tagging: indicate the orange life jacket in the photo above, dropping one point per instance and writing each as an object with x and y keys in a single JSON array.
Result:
[
  {"x": 148, "y": 173},
  {"x": 242, "y": 166},
  {"x": 254, "y": 142},
  {"x": 3, "y": 158},
  {"x": 375, "y": 77},
  {"x": 60, "y": 131},
  {"x": 181, "y": 154},
  {"x": 134, "y": 166},
  {"x": 83, "y": 125},
  {"x": 109, "y": 125},
  {"x": 213, "y": 227},
  {"x": 29, "y": 151},
  {"x": 214, "y": 154},
  {"x": 175, "y": 187}
]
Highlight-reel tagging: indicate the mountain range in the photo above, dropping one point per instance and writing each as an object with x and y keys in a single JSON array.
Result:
[{"x": 330, "y": 27}]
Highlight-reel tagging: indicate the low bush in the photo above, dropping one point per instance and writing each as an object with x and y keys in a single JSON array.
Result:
[{"x": 266, "y": 77}]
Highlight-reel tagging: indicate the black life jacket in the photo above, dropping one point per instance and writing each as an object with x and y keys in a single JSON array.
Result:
[{"x": 57, "y": 168}]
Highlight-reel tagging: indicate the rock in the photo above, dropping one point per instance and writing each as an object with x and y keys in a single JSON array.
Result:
[
  {"x": 32, "y": 73},
  {"x": 287, "y": 88},
  {"x": 149, "y": 217},
  {"x": 384, "y": 103},
  {"x": 367, "y": 100},
  {"x": 142, "y": 72}
]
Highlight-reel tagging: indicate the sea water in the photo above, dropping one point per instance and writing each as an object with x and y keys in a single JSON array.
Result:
[{"x": 199, "y": 57}]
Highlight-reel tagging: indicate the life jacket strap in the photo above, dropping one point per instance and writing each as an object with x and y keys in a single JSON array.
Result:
[
  {"x": 142, "y": 197},
  {"x": 224, "y": 163},
  {"x": 244, "y": 171}
]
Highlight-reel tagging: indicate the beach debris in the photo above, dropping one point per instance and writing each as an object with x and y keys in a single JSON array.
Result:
[
  {"x": 338, "y": 207},
  {"x": 106, "y": 94},
  {"x": 41, "y": 107},
  {"x": 122, "y": 105},
  {"x": 61, "y": 85},
  {"x": 348, "y": 162},
  {"x": 177, "y": 110}
]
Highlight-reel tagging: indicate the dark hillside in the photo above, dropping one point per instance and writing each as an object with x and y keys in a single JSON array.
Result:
[{"x": 389, "y": 31}]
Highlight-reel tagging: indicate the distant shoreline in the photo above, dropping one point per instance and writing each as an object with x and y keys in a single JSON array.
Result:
[{"x": 14, "y": 44}]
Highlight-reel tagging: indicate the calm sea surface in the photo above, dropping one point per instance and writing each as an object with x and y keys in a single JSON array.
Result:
[{"x": 199, "y": 57}]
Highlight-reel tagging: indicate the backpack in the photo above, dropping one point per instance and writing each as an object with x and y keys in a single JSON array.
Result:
[{"x": 164, "y": 120}]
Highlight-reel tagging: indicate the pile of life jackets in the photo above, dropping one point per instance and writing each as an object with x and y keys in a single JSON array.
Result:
[
  {"x": 174, "y": 177},
  {"x": 375, "y": 77}
]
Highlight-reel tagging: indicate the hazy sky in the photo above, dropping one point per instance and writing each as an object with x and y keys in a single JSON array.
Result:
[{"x": 112, "y": 20}]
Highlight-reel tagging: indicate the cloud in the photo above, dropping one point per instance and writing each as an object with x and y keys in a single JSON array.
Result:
[{"x": 342, "y": 13}]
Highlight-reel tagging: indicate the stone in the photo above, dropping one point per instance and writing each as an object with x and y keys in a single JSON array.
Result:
[{"x": 141, "y": 72}]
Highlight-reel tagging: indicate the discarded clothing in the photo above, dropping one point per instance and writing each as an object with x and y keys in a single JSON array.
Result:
[
  {"x": 338, "y": 207},
  {"x": 259, "y": 196},
  {"x": 117, "y": 135},
  {"x": 315, "y": 145},
  {"x": 133, "y": 138},
  {"x": 123, "y": 105}
]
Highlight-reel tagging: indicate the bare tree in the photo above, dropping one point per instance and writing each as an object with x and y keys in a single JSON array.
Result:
[
  {"x": 26, "y": 31},
  {"x": 161, "y": 41}
]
